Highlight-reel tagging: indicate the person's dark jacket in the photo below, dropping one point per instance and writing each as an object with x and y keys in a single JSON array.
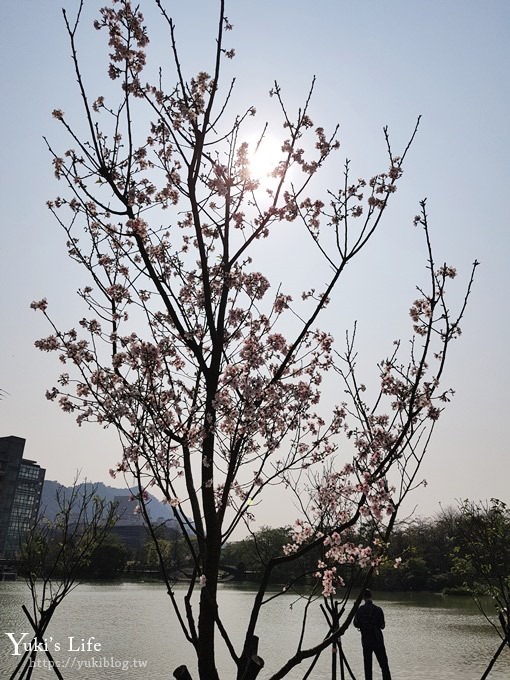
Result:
[{"x": 370, "y": 620}]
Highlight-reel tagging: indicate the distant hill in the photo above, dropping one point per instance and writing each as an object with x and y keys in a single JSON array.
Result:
[{"x": 49, "y": 505}]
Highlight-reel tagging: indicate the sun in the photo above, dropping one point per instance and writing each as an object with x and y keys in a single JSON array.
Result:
[{"x": 263, "y": 156}]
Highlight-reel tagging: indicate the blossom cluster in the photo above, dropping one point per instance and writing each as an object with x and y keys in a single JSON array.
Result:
[{"x": 125, "y": 27}]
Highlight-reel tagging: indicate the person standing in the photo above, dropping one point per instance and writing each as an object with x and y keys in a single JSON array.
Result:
[{"x": 369, "y": 619}]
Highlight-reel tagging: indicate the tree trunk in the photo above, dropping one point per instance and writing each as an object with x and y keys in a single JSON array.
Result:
[
  {"x": 251, "y": 663},
  {"x": 206, "y": 630},
  {"x": 208, "y": 612}
]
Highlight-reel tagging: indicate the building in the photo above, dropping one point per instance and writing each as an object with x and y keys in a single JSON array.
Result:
[
  {"x": 131, "y": 528},
  {"x": 21, "y": 482}
]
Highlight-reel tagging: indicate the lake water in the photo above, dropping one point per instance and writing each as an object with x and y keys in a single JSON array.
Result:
[{"x": 428, "y": 637}]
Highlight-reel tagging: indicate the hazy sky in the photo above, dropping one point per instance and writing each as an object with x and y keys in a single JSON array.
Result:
[{"x": 377, "y": 63}]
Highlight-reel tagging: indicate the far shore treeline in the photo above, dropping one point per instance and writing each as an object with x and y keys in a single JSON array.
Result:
[{"x": 438, "y": 554}]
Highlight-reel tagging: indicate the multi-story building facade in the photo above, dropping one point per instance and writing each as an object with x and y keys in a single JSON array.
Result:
[{"x": 21, "y": 482}]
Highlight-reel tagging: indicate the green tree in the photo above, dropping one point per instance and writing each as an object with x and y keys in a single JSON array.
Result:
[
  {"x": 482, "y": 558},
  {"x": 152, "y": 556},
  {"x": 252, "y": 554},
  {"x": 107, "y": 560},
  {"x": 422, "y": 548}
]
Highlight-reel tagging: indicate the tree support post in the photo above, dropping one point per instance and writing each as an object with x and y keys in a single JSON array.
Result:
[{"x": 254, "y": 663}]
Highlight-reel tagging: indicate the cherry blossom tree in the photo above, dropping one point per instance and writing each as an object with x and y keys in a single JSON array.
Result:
[{"x": 212, "y": 377}]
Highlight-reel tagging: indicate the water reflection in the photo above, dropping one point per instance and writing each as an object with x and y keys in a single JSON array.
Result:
[{"x": 427, "y": 637}]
